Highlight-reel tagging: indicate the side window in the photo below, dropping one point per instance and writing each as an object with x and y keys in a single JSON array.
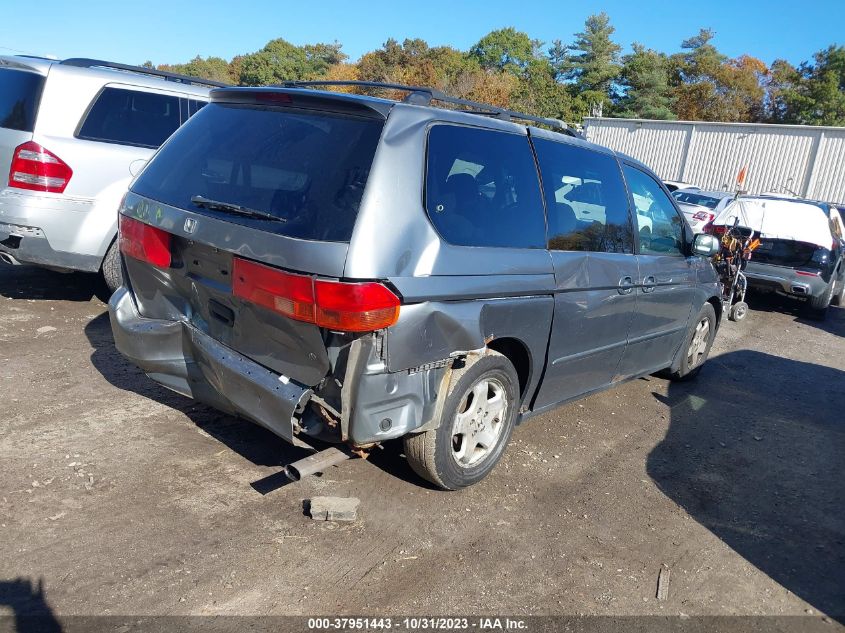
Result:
[
  {"x": 586, "y": 202},
  {"x": 482, "y": 188},
  {"x": 131, "y": 117},
  {"x": 660, "y": 226}
]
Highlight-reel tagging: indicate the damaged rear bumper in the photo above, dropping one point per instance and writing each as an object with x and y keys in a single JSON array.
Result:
[{"x": 184, "y": 359}]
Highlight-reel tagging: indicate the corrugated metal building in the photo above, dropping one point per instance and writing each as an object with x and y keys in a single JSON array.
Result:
[{"x": 806, "y": 160}]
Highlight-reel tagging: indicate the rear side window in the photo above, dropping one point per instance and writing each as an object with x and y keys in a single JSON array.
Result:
[
  {"x": 586, "y": 202},
  {"x": 131, "y": 117},
  {"x": 482, "y": 188},
  {"x": 20, "y": 93},
  {"x": 661, "y": 229},
  {"x": 308, "y": 168}
]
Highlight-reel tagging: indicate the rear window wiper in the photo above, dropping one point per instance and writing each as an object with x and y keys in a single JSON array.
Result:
[{"x": 229, "y": 207}]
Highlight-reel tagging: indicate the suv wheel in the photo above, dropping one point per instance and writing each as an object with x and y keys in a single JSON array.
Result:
[
  {"x": 475, "y": 426},
  {"x": 697, "y": 344},
  {"x": 112, "y": 271},
  {"x": 818, "y": 305}
]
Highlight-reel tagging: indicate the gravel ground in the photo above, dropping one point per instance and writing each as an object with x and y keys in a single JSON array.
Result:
[{"x": 120, "y": 497}]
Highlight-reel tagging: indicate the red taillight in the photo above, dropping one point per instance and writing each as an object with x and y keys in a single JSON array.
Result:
[
  {"x": 336, "y": 305},
  {"x": 719, "y": 229},
  {"x": 144, "y": 242},
  {"x": 37, "y": 169}
]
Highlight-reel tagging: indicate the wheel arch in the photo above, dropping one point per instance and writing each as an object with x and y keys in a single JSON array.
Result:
[{"x": 519, "y": 355}]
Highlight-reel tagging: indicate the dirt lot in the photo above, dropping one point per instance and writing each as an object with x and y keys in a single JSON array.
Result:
[{"x": 120, "y": 497}]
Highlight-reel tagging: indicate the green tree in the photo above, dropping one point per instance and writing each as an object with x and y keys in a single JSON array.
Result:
[
  {"x": 214, "y": 68},
  {"x": 594, "y": 64},
  {"x": 505, "y": 49},
  {"x": 281, "y": 61},
  {"x": 644, "y": 83},
  {"x": 818, "y": 96}
]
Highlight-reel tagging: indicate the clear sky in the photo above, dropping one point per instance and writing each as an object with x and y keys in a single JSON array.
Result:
[{"x": 176, "y": 30}]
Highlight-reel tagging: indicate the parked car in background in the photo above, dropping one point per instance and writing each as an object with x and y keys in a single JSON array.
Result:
[
  {"x": 701, "y": 207},
  {"x": 71, "y": 134},
  {"x": 674, "y": 185},
  {"x": 400, "y": 270},
  {"x": 800, "y": 254}
]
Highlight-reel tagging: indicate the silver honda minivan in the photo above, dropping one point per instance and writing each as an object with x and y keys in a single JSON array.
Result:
[{"x": 352, "y": 270}]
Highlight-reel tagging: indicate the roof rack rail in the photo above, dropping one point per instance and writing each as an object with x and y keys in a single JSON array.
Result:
[
  {"x": 83, "y": 62},
  {"x": 423, "y": 95}
]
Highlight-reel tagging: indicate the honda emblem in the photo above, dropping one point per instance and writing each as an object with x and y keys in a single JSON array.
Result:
[{"x": 190, "y": 225}]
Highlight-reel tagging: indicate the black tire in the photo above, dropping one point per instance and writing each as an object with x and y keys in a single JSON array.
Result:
[
  {"x": 817, "y": 306},
  {"x": 738, "y": 311},
  {"x": 112, "y": 270},
  {"x": 434, "y": 454},
  {"x": 691, "y": 362}
]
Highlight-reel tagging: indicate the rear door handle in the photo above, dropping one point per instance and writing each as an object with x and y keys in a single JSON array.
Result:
[
  {"x": 626, "y": 285},
  {"x": 649, "y": 283}
]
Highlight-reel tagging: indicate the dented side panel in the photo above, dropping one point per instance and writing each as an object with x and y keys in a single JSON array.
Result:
[{"x": 430, "y": 331}]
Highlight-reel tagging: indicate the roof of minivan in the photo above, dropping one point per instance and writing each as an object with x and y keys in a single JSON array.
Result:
[
  {"x": 383, "y": 107},
  {"x": 43, "y": 66}
]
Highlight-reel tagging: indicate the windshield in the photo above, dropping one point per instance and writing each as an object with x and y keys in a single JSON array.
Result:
[
  {"x": 20, "y": 93},
  {"x": 308, "y": 168}
]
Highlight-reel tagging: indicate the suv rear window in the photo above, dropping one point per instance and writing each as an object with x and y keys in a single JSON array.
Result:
[
  {"x": 308, "y": 168},
  {"x": 482, "y": 188},
  {"x": 20, "y": 93},
  {"x": 131, "y": 117}
]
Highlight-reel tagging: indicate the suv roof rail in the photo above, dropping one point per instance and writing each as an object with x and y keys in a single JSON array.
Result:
[
  {"x": 83, "y": 62},
  {"x": 423, "y": 95}
]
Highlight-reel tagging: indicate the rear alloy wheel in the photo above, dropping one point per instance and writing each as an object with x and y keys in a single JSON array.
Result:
[
  {"x": 738, "y": 311},
  {"x": 475, "y": 426},
  {"x": 697, "y": 344}
]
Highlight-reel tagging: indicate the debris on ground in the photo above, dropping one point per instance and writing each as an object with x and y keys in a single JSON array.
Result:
[
  {"x": 334, "y": 508},
  {"x": 663, "y": 583}
]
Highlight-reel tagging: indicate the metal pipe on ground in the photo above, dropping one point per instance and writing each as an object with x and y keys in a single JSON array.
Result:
[{"x": 315, "y": 463}]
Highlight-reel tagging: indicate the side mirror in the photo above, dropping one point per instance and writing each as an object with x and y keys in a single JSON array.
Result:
[{"x": 705, "y": 245}]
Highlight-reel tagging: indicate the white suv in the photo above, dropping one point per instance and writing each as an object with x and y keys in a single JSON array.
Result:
[{"x": 72, "y": 134}]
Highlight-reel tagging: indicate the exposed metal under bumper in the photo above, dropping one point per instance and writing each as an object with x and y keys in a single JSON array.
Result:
[{"x": 180, "y": 357}]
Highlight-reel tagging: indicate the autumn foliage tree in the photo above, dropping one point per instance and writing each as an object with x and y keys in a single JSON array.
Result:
[{"x": 567, "y": 79}]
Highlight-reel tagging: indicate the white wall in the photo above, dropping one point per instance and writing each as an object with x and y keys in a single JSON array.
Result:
[{"x": 807, "y": 160}]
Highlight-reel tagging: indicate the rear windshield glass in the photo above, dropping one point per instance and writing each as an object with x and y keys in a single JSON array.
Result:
[
  {"x": 20, "y": 92},
  {"x": 307, "y": 168},
  {"x": 696, "y": 198}
]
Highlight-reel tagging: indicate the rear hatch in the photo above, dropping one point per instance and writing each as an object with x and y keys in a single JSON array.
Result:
[
  {"x": 20, "y": 96},
  {"x": 258, "y": 194}
]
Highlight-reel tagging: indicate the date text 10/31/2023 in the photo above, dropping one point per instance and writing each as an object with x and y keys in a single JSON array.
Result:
[{"x": 416, "y": 624}]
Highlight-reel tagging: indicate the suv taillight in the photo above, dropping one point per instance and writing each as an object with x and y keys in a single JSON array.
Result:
[
  {"x": 38, "y": 169},
  {"x": 144, "y": 242},
  {"x": 335, "y": 305}
]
